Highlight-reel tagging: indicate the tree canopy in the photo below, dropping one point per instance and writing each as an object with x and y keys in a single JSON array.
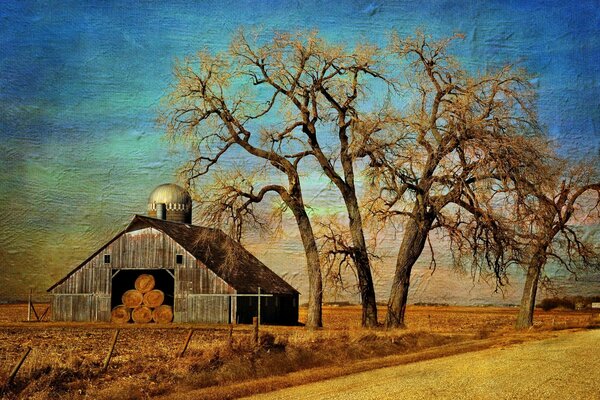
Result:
[{"x": 440, "y": 147}]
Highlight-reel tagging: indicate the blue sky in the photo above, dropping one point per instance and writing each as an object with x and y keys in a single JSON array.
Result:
[{"x": 81, "y": 83}]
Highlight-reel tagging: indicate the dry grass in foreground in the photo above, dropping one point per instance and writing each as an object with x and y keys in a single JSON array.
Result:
[{"x": 66, "y": 358}]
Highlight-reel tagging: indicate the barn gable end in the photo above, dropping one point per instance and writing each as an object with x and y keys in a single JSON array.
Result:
[{"x": 194, "y": 259}]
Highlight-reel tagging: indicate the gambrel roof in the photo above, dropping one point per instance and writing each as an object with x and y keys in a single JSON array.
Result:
[{"x": 227, "y": 258}]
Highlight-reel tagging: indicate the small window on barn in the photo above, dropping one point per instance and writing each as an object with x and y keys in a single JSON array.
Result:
[
  {"x": 266, "y": 301},
  {"x": 107, "y": 259},
  {"x": 179, "y": 258}
]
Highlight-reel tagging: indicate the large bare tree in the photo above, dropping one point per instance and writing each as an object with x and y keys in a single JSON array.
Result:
[
  {"x": 322, "y": 91},
  {"x": 459, "y": 142},
  {"x": 211, "y": 109},
  {"x": 555, "y": 215}
]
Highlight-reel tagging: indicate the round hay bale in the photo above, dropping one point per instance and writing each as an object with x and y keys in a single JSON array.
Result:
[
  {"x": 144, "y": 283},
  {"x": 163, "y": 314},
  {"x": 132, "y": 298},
  {"x": 120, "y": 314},
  {"x": 154, "y": 298},
  {"x": 141, "y": 315}
]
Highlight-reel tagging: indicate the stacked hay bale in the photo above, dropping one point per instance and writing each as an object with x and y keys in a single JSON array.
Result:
[{"x": 143, "y": 304}]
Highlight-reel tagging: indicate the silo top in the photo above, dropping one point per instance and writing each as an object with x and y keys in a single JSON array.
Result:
[{"x": 170, "y": 193}]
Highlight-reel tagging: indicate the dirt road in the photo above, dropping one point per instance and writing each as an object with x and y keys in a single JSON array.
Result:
[{"x": 566, "y": 367}]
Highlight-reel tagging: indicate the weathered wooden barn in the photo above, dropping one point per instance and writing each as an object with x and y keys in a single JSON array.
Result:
[{"x": 206, "y": 276}]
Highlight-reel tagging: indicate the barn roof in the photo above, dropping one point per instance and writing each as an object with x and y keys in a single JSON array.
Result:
[{"x": 224, "y": 256}]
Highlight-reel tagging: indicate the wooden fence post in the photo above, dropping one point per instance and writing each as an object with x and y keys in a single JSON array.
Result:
[
  {"x": 29, "y": 305},
  {"x": 187, "y": 341},
  {"x": 37, "y": 317},
  {"x": 112, "y": 347},
  {"x": 44, "y": 313},
  {"x": 13, "y": 373},
  {"x": 258, "y": 311},
  {"x": 255, "y": 330},
  {"x": 230, "y": 337}
]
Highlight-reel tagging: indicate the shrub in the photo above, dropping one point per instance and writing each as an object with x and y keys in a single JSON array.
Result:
[
  {"x": 555, "y": 302},
  {"x": 568, "y": 302}
]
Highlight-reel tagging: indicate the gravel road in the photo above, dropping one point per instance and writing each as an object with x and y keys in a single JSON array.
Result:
[{"x": 565, "y": 367}]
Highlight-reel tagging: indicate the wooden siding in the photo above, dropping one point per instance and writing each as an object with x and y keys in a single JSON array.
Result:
[
  {"x": 86, "y": 294},
  {"x": 73, "y": 307},
  {"x": 200, "y": 280},
  {"x": 208, "y": 309}
]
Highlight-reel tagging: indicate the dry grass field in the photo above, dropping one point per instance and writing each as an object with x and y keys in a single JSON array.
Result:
[{"x": 66, "y": 358}]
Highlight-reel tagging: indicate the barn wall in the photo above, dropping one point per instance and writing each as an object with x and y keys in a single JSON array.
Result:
[
  {"x": 85, "y": 295},
  {"x": 189, "y": 307}
]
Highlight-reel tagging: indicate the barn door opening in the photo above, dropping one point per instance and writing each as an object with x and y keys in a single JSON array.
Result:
[{"x": 124, "y": 280}]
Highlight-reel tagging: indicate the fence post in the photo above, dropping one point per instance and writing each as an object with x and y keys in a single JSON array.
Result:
[
  {"x": 187, "y": 341},
  {"x": 255, "y": 330},
  {"x": 29, "y": 305},
  {"x": 35, "y": 314},
  {"x": 112, "y": 347},
  {"x": 258, "y": 313},
  {"x": 17, "y": 367},
  {"x": 44, "y": 313}
]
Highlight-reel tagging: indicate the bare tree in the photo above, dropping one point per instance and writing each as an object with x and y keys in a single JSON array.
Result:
[
  {"x": 551, "y": 215},
  {"x": 320, "y": 89},
  {"x": 211, "y": 107},
  {"x": 457, "y": 145},
  {"x": 338, "y": 255}
]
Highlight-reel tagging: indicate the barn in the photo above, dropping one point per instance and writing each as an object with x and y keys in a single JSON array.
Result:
[{"x": 206, "y": 276}]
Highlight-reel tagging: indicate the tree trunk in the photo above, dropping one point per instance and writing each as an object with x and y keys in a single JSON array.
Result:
[
  {"x": 363, "y": 265},
  {"x": 413, "y": 242},
  {"x": 347, "y": 189},
  {"x": 314, "y": 318},
  {"x": 525, "y": 317}
]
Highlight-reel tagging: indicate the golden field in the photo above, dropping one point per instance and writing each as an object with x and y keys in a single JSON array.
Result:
[{"x": 66, "y": 358}]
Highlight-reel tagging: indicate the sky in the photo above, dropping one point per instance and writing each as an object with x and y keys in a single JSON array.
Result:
[{"x": 81, "y": 85}]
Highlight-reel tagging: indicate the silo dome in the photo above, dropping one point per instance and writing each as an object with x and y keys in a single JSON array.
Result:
[{"x": 170, "y": 202}]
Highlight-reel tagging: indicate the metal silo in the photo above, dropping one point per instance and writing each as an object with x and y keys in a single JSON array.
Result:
[{"x": 170, "y": 202}]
